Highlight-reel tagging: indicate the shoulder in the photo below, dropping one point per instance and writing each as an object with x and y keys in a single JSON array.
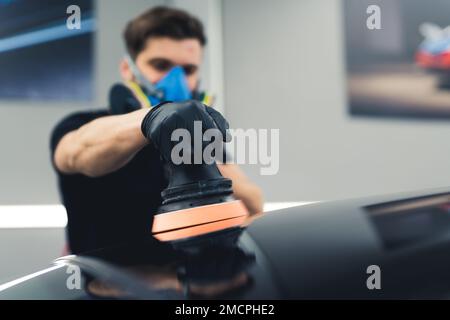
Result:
[{"x": 72, "y": 122}]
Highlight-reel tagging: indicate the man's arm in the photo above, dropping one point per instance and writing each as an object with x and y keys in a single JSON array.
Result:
[
  {"x": 102, "y": 146},
  {"x": 243, "y": 188}
]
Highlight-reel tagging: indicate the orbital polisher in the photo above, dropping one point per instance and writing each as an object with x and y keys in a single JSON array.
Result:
[{"x": 198, "y": 207}]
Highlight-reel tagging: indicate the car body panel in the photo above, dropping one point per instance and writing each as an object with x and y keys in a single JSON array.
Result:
[{"x": 323, "y": 250}]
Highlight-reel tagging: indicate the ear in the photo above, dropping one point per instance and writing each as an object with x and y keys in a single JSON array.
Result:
[{"x": 125, "y": 70}]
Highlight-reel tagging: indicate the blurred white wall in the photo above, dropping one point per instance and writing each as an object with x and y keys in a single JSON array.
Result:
[
  {"x": 23, "y": 251},
  {"x": 284, "y": 68}
]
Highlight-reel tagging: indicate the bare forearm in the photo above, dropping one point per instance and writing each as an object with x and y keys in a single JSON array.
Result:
[
  {"x": 243, "y": 188},
  {"x": 251, "y": 195},
  {"x": 101, "y": 146}
]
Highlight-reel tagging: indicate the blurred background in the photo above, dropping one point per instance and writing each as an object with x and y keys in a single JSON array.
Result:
[
  {"x": 310, "y": 68},
  {"x": 401, "y": 70}
]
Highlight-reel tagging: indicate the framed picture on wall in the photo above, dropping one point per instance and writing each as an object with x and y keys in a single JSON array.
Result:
[
  {"x": 398, "y": 58},
  {"x": 41, "y": 56}
]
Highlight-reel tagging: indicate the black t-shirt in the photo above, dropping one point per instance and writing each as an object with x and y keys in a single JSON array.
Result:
[{"x": 114, "y": 208}]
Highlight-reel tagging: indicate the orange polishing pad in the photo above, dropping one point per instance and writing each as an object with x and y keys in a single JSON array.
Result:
[{"x": 197, "y": 221}]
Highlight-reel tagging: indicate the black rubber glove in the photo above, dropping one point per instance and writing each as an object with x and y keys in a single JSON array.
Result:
[{"x": 166, "y": 117}]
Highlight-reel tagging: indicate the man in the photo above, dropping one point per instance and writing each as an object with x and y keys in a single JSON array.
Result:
[{"x": 110, "y": 175}]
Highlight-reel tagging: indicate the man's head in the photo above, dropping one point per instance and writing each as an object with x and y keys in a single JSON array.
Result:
[{"x": 162, "y": 38}]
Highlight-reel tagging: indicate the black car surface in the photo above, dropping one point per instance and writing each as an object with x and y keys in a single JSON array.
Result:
[{"x": 324, "y": 250}]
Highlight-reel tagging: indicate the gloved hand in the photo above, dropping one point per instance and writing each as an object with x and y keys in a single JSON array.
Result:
[{"x": 166, "y": 117}]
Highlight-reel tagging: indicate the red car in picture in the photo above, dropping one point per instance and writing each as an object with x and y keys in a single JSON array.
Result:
[{"x": 433, "y": 53}]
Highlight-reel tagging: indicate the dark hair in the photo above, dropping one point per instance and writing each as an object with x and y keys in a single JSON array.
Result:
[{"x": 161, "y": 22}]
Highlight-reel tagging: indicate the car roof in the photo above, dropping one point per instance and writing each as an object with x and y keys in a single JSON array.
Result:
[{"x": 322, "y": 250}]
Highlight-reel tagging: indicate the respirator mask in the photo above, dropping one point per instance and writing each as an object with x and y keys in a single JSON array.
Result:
[
  {"x": 172, "y": 87},
  {"x": 133, "y": 95}
]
